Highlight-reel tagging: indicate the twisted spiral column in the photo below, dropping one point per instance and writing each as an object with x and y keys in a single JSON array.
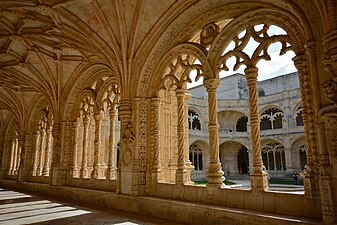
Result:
[
  {"x": 74, "y": 168},
  {"x": 46, "y": 163},
  {"x": 181, "y": 174},
  {"x": 111, "y": 164},
  {"x": 11, "y": 165},
  {"x": 84, "y": 166},
  {"x": 37, "y": 150},
  {"x": 42, "y": 147},
  {"x": 98, "y": 147},
  {"x": 258, "y": 179},
  {"x": 215, "y": 173}
]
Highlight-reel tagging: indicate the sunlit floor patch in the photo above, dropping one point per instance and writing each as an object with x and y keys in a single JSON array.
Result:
[{"x": 19, "y": 208}]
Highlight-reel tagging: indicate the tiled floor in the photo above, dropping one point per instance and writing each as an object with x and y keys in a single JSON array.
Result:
[{"x": 20, "y": 208}]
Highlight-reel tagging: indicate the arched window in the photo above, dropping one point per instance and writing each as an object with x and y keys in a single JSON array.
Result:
[
  {"x": 261, "y": 93},
  {"x": 271, "y": 119},
  {"x": 193, "y": 120},
  {"x": 195, "y": 155},
  {"x": 299, "y": 118},
  {"x": 273, "y": 156},
  {"x": 241, "y": 124}
]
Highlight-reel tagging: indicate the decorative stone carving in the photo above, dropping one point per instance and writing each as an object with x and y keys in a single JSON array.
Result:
[
  {"x": 208, "y": 34},
  {"x": 330, "y": 90}
]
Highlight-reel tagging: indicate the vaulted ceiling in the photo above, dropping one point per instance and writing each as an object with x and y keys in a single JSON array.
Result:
[{"x": 46, "y": 44}]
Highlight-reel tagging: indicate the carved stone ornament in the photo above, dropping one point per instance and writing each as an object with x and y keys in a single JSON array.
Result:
[
  {"x": 127, "y": 156},
  {"x": 330, "y": 90},
  {"x": 208, "y": 34}
]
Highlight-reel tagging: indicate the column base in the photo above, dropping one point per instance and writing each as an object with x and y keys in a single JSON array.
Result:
[
  {"x": 111, "y": 174},
  {"x": 84, "y": 173},
  {"x": 182, "y": 177},
  {"x": 215, "y": 176},
  {"x": 259, "y": 182},
  {"x": 74, "y": 173},
  {"x": 45, "y": 172}
]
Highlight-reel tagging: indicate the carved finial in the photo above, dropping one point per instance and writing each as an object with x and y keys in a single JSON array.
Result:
[{"x": 208, "y": 34}]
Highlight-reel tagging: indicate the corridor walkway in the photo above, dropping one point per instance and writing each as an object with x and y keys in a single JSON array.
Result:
[{"x": 22, "y": 208}]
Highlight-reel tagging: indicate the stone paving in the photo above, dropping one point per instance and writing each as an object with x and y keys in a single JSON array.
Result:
[{"x": 21, "y": 208}]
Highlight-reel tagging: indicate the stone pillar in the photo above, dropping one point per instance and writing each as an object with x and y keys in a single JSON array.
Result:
[
  {"x": 215, "y": 173},
  {"x": 97, "y": 171},
  {"x": 84, "y": 166},
  {"x": 36, "y": 154},
  {"x": 188, "y": 164},
  {"x": 46, "y": 166},
  {"x": 288, "y": 159},
  {"x": 15, "y": 156},
  {"x": 181, "y": 173},
  {"x": 111, "y": 172},
  {"x": 42, "y": 147},
  {"x": 126, "y": 147},
  {"x": 24, "y": 159},
  {"x": 74, "y": 167},
  {"x": 311, "y": 178},
  {"x": 11, "y": 163},
  {"x": 328, "y": 191},
  {"x": 155, "y": 117},
  {"x": 259, "y": 180}
]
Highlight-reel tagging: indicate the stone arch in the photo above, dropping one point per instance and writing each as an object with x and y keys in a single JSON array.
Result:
[
  {"x": 271, "y": 118},
  {"x": 227, "y": 120},
  {"x": 265, "y": 16},
  {"x": 190, "y": 49},
  {"x": 202, "y": 159},
  {"x": 273, "y": 155},
  {"x": 82, "y": 78},
  {"x": 228, "y": 153},
  {"x": 40, "y": 103},
  {"x": 298, "y": 147},
  {"x": 202, "y": 13}
]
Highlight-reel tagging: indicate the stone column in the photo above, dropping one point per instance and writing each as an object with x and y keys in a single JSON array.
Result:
[
  {"x": 15, "y": 156},
  {"x": 46, "y": 166},
  {"x": 259, "y": 181},
  {"x": 188, "y": 163},
  {"x": 74, "y": 167},
  {"x": 311, "y": 180},
  {"x": 42, "y": 147},
  {"x": 215, "y": 173},
  {"x": 11, "y": 163},
  {"x": 97, "y": 173},
  {"x": 327, "y": 134},
  {"x": 36, "y": 155},
  {"x": 181, "y": 173},
  {"x": 111, "y": 172},
  {"x": 288, "y": 159},
  {"x": 156, "y": 166},
  {"x": 84, "y": 166}
]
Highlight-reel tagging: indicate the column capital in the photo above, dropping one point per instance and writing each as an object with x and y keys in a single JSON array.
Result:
[
  {"x": 212, "y": 84},
  {"x": 251, "y": 73},
  {"x": 180, "y": 92}
]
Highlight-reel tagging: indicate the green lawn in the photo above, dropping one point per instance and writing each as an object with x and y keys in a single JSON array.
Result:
[
  {"x": 203, "y": 183},
  {"x": 283, "y": 181}
]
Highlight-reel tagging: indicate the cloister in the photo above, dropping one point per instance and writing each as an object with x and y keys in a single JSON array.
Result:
[{"x": 94, "y": 105}]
